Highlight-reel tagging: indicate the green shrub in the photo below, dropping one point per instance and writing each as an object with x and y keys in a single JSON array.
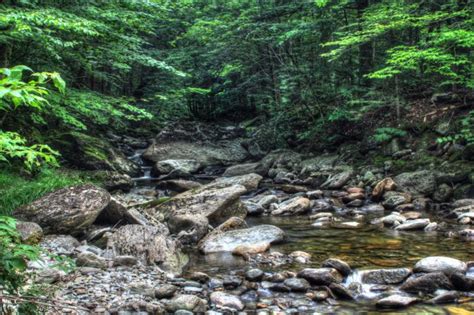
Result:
[{"x": 384, "y": 135}]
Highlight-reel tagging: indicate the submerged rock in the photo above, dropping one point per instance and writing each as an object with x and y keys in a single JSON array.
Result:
[
  {"x": 231, "y": 240},
  {"x": 395, "y": 301},
  {"x": 69, "y": 210}
]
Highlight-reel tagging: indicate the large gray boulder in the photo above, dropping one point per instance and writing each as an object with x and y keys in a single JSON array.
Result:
[
  {"x": 417, "y": 183},
  {"x": 66, "y": 211},
  {"x": 229, "y": 241},
  {"x": 447, "y": 265},
  {"x": 149, "y": 244}
]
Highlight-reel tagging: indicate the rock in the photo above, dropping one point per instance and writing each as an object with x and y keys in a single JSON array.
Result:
[
  {"x": 393, "y": 219},
  {"x": 225, "y": 300},
  {"x": 231, "y": 282},
  {"x": 233, "y": 223},
  {"x": 393, "y": 199},
  {"x": 445, "y": 298},
  {"x": 114, "y": 213},
  {"x": 165, "y": 291},
  {"x": 321, "y": 276},
  {"x": 315, "y": 194},
  {"x": 60, "y": 244},
  {"x": 410, "y": 225},
  {"x": 427, "y": 283},
  {"x": 150, "y": 244},
  {"x": 184, "y": 166},
  {"x": 395, "y": 301},
  {"x": 463, "y": 203},
  {"x": 295, "y": 206},
  {"x": 249, "y": 181},
  {"x": 253, "y": 208},
  {"x": 88, "y": 259},
  {"x": 230, "y": 240},
  {"x": 114, "y": 181},
  {"x": 346, "y": 225},
  {"x": 266, "y": 201},
  {"x": 372, "y": 208},
  {"x": 339, "y": 265},
  {"x": 300, "y": 257},
  {"x": 242, "y": 169},
  {"x": 199, "y": 277},
  {"x": 338, "y": 180},
  {"x": 443, "y": 193},
  {"x": 417, "y": 183},
  {"x": 297, "y": 284},
  {"x": 340, "y": 291},
  {"x": 321, "y": 205},
  {"x": 385, "y": 276},
  {"x": 412, "y": 215},
  {"x": 467, "y": 234},
  {"x": 433, "y": 226},
  {"x": 440, "y": 264},
  {"x": 30, "y": 232},
  {"x": 462, "y": 282},
  {"x": 219, "y": 153},
  {"x": 178, "y": 185},
  {"x": 187, "y": 302},
  {"x": 69, "y": 210},
  {"x": 127, "y": 261},
  {"x": 194, "y": 210},
  {"x": 254, "y": 274}
]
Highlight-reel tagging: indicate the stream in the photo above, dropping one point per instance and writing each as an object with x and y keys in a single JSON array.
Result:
[{"x": 366, "y": 247}]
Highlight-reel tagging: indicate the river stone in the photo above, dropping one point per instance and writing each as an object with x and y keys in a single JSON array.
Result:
[
  {"x": 178, "y": 185},
  {"x": 321, "y": 205},
  {"x": 88, "y": 259},
  {"x": 249, "y": 181},
  {"x": 165, "y": 291},
  {"x": 229, "y": 241},
  {"x": 218, "y": 153},
  {"x": 266, "y": 201},
  {"x": 150, "y": 244},
  {"x": 417, "y": 183},
  {"x": 339, "y": 265},
  {"x": 321, "y": 276},
  {"x": 341, "y": 292},
  {"x": 393, "y": 199},
  {"x": 445, "y": 298},
  {"x": 395, "y": 301},
  {"x": 427, "y": 283},
  {"x": 297, "y": 284},
  {"x": 440, "y": 264},
  {"x": 226, "y": 300},
  {"x": 242, "y": 169},
  {"x": 187, "y": 302},
  {"x": 392, "y": 219},
  {"x": 69, "y": 210},
  {"x": 338, "y": 180},
  {"x": 417, "y": 224},
  {"x": 295, "y": 206},
  {"x": 30, "y": 232},
  {"x": 385, "y": 276},
  {"x": 254, "y": 274},
  {"x": 114, "y": 213},
  {"x": 185, "y": 166},
  {"x": 462, "y": 282}
]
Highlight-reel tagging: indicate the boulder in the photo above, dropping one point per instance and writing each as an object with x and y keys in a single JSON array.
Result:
[
  {"x": 462, "y": 282},
  {"x": 88, "y": 259},
  {"x": 393, "y": 199},
  {"x": 150, "y": 244},
  {"x": 440, "y": 264},
  {"x": 185, "y": 166},
  {"x": 385, "y": 276},
  {"x": 339, "y": 265},
  {"x": 266, "y": 201},
  {"x": 395, "y": 301},
  {"x": 30, "y": 232},
  {"x": 321, "y": 276},
  {"x": 242, "y": 169},
  {"x": 417, "y": 183},
  {"x": 69, "y": 210},
  {"x": 410, "y": 225},
  {"x": 249, "y": 181},
  {"x": 230, "y": 240},
  {"x": 383, "y": 186},
  {"x": 295, "y": 206},
  {"x": 187, "y": 302},
  {"x": 60, "y": 244},
  {"x": 338, "y": 180},
  {"x": 341, "y": 292},
  {"x": 226, "y": 300},
  {"x": 427, "y": 283}
]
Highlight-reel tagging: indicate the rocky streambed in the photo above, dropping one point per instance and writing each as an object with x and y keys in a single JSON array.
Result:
[{"x": 268, "y": 233}]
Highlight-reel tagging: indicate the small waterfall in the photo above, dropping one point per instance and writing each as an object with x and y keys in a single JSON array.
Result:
[
  {"x": 363, "y": 289},
  {"x": 145, "y": 169}
]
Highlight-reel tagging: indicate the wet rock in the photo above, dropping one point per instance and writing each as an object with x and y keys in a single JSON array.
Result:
[
  {"x": 88, "y": 259},
  {"x": 314, "y": 194},
  {"x": 242, "y": 169},
  {"x": 321, "y": 205},
  {"x": 231, "y": 282},
  {"x": 385, "y": 276},
  {"x": 150, "y": 244},
  {"x": 417, "y": 183},
  {"x": 249, "y": 181},
  {"x": 395, "y": 301},
  {"x": 355, "y": 203},
  {"x": 300, "y": 257},
  {"x": 254, "y": 208},
  {"x": 199, "y": 277},
  {"x": 433, "y": 226},
  {"x": 427, "y": 283},
  {"x": 225, "y": 300},
  {"x": 338, "y": 180},
  {"x": 266, "y": 201},
  {"x": 410, "y": 225},
  {"x": 467, "y": 234},
  {"x": 406, "y": 207},
  {"x": 30, "y": 232},
  {"x": 230, "y": 240},
  {"x": 440, "y": 264},
  {"x": 374, "y": 208},
  {"x": 443, "y": 193},
  {"x": 297, "y": 284},
  {"x": 115, "y": 181},
  {"x": 69, "y": 210},
  {"x": 254, "y": 274},
  {"x": 392, "y": 219},
  {"x": 445, "y": 298},
  {"x": 341, "y": 292},
  {"x": 185, "y": 166},
  {"x": 321, "y": 276},
  {"x": 165, "y": 291},
  {"x": 393, "y": 199},
  {"x": 293, "y": 189},
  {"x": 411, "y": 215},
  {"x": 462, "y": 282},
  {"x": 178, "y": 185},
  {"x": 346, "y": 225},
  {"x": 339, "y": 265},
  {"x": 383, "y": 186},
  {"x": 187, "y": 302},
  {"x": 295, "y": 206}
]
